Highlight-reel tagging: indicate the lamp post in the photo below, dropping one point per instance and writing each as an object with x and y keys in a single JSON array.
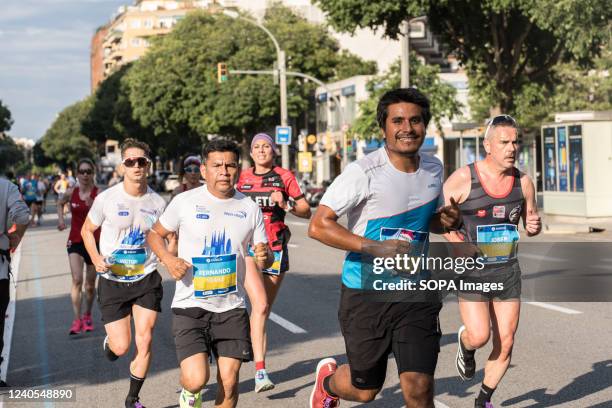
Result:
[
  {"x": 405, "y": 44},
  {"x": 282, "y": 73}
]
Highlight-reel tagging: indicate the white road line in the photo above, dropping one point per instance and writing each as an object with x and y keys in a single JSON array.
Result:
[
  {"x": 292, "y": 245},
  {"x": 541, "y": 257},
  {"x": 286, "y": 324},
  {"x": 606, "y": 267},
  {"x": 300, "y": 223},
  {"x": 10, "y": 311},
  {"x": 438, "y": 404},
  {"x": 555, "y": 308}
]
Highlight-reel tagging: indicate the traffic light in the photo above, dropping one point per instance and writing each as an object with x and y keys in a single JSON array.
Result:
[{"x": 222, "y": 72}]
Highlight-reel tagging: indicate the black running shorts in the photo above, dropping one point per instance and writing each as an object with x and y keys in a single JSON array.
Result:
[
  {"x": 117, "y": 298},
  {"x": 79, "y": 248},
  {"x": 506, "y": 276},
  {"x": 225, "y": 334},
  {"x": 372, "y": 330}
]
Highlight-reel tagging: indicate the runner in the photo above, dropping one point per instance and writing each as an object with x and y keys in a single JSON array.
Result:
[
  {"x": 29, "y": 189},
  {"x": 215, "y": 225},
  {"x": 80, "y": 198},
  {"x": 131, "y": 285},
  {"x": 13, "y": 210},
  {"x": 277, "y": 192},
  {"x": 189, "y": 175},
  {"x": 492, "y": 192},
  {"x": 392, "y": 191}
]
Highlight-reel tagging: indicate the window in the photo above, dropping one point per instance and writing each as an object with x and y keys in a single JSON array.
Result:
[
  {"x": 135, "y": 23},
  {"x": 321, "y": 116},
  {"x": 135, "y": 42},
  {"x": 148, "y": 23},
  {"x": 350, "y": 109}
]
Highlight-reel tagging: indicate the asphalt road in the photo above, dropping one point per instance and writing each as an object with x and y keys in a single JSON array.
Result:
[{"x": 561, "y": 358}]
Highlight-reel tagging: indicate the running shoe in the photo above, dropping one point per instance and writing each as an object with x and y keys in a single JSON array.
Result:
[
  {"x": 107, "y": 351},
  {"x": 262, "y": 381},
  {"x": 76, "y": 327},
  {"x": 3, "y": 384},
  {"x": 465, "y": 362},
  {"x": 87, "y": 322},
  {"x": 189, "y": 400},
  {"x": 487, "y": 404},
  {"x": 319, "y": 398},
  {"x": 133, "y": 402}
]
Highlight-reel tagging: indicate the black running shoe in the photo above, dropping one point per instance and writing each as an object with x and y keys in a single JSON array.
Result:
[
  {"x": 108, "y": 352},
  {"x": 465, "y": 362}
]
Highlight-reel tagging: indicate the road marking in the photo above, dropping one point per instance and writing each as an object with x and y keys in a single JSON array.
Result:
[
  {"x": 299, "y": 223},
  {"x": 438, "y": 404},
  {"x": 10, "y": 311},
  {"x": 292, "y": 245},
  {"x": 606, "y": 267},
  {"x": 541, "y": 257},
  {"x": 286, "y": 324},
  {"x": 555, "y": 308}
]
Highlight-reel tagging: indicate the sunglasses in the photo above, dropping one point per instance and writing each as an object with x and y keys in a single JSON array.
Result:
[
  {"x": 501, "y": 120},
  {"x": 133, "y": 161},
  {"x": 86, "y": 171},
  {"x": 192, "y": 169}
]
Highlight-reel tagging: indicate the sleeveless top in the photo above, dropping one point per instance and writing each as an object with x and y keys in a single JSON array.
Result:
[
  {"x": 79, "y": 210},
  {"x": 491, "y": 220}
]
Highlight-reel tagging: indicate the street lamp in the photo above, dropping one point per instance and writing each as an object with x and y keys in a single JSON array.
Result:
[
  {"x": 282, "y": 73},
  {"x": 405, "y": 44}
]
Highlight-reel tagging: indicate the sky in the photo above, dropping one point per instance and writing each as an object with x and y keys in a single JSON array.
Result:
[{"x": 44, "y": 57}]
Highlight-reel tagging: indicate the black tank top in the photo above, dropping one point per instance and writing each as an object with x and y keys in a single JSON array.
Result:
[{"x": 480, "y": 208}]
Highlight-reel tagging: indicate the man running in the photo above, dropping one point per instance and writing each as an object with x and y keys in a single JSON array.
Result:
[
  {"x": 392, "y": 192},
  {"x": 215, "y": 225},
  {"x": 493, "y": 195},
  {"x": 131, "y": 285}
]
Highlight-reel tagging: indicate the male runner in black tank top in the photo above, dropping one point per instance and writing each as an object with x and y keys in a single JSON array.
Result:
[{"x": 492, "y": 196}]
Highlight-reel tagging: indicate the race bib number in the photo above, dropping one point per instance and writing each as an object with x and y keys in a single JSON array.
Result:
[
  {"x": 128, "y": 263},
  {"x": 417, "y": 241},
  {"x": 214, "y": 275},
  {"x": 498, "y": 242},
  {"x": 276, "y": 265}
]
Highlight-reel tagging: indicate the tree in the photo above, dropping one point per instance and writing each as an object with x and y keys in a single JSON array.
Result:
[
  {"x": 6, "y": 121},
  {"x": 505, "y": 45},
  {"x": 442, "y": 96},
  {"x": 64, "y": 142},
  {"x": 10, "y": 153},
  {"x": 173, "y": 89}
]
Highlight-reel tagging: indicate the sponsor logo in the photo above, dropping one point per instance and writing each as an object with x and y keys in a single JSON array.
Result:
[
  {"x": 238, "y": 214},
  {"x": 246, "y": 187},
  {"x": 499, "y": 211},
  {"x": 432, "y": 185},
  {"x": 515, "y": 214},
  {"x": 122, "y": 207},
  {"x": 481, "y": 213},
  {"x": 201, "y": 209},
  {"x": 202, "y": 216},
  {"x": 150, "y": 212},
  {"x": 123, "y": 213}
]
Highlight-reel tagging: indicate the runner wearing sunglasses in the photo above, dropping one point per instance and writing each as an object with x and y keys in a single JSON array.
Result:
[
  {"x": 131, "y": 285},
  {"x": 492, "y": 195},
  {"x": 80, "y": 198},
  {"x": 277, "y": 192},
  {"x": 189, "y": 175}
]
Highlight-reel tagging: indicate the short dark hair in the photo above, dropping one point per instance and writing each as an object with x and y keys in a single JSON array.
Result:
[
  {"x": 410, "y": 95},
  {"x": 220, "y": 145},
  {"x": 130, "y": 142}
]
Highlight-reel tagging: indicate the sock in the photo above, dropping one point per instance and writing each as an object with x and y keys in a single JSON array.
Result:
[
  {"x": 135, "y": 386},
  {"x": 485, "y": 395},
  {"x": 327, "y": 388},
  {"x": 260, "y": 365}
]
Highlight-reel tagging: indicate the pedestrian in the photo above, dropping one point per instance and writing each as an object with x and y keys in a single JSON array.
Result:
[
  {"x": 29, "y": 189},
  {"x": 394, "y": 191},
  {"x": 189, "y": 175},
  {"x": 13, "y": 211},
  {"x": 493, "y": 195},
  {"x": 277, "y": 193},
  {"x": 215, "y": 224},
  {"x": 130, "y": 284},
  {"x": 80, "y": 199}
]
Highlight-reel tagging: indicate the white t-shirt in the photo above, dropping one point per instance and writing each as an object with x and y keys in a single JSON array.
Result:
[
  {"x": 213, "y": 236},
  {"x": 125, "y": 221}
]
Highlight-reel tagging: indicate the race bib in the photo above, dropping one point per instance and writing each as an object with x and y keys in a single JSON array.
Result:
[
  {"x": 128, "y": 263},
  {"x": 214, "y": 275},
  {"x": 498, "y": 242},
  {"x": 417, "y": 241}
]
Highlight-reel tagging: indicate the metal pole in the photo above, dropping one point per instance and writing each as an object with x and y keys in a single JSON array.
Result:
[
  {"x": 405, "y": 64},
  {"x": 283, "y": 102}
]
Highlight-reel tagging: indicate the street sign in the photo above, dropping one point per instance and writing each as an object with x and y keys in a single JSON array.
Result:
[
  {"x": 305, "y": 162},
  {"x": 283, "y": 135}
]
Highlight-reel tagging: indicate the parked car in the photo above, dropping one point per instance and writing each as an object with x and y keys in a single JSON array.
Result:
[{"x": 171, "y": 182}]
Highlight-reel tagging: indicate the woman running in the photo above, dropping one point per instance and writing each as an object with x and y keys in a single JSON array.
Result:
[
  {"x": 277, "y": 192},
  {"x": 81, "y": 198},
  {"x": 189, "y": 175}
]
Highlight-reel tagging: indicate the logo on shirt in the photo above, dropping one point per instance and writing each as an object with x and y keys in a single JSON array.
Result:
[
  {"x": 432, "y": 185},
  {"x": 246, "y": 187},
  {"x": 499, "y": 211},
  {"x": 150, "y": 212},
  {"x": 202, "y": 216},
  {"x": 123, "y": 213},
  {"x": 238, "y": 214},
  {"x": 202, "y": 213},
  {"x": 481, "y": 213}
]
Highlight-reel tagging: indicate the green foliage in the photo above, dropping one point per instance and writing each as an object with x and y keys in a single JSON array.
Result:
[
  {"x": 349, "y": 65},
  {"x": 10, "y": 154},
  {"x": 507, "y": 46},
  {"x": 64, "y": 142},
  {"x": 6, "y": 121},
  {"x": 442, "y": 96}
]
